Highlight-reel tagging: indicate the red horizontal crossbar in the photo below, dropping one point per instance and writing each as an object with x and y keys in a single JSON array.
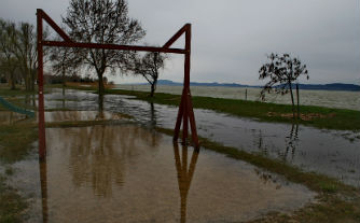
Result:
[{"x": 114, "y": 47}]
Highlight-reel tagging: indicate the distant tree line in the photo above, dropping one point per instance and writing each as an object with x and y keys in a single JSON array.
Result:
[
  {"x": 96, "y": 21},
  {"x": 18, "y": 54},
  {"x": 59, "y": 79}
]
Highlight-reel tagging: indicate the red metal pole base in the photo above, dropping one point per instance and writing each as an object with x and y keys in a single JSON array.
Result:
[{"x": 186, "y": 115}]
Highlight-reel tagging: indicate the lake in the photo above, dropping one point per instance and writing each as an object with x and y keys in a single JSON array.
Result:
[{"x": 332, "y": 99}]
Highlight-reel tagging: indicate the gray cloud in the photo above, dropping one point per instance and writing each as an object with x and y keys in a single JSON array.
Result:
[{"x": 231, "y": 38}]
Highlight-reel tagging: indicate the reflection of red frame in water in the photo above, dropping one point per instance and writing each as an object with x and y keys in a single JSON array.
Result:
[{"x": 185, "y": 113}]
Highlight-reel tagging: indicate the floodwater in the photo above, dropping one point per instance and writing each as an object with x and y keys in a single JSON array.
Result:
[
  {"x": 127, "y": 173},
  {"x": 68, "y": 116},
  {"x": 332, "y": 99},
  {"x": 334, "y": 153},
  {"x": 11, "y": 118}
]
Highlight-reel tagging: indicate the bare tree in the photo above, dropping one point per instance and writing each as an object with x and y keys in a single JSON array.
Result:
[
  {"x": 18, "y": 42},
  {"x": 148, "y": 67},
  {"x": 25, "y": 51},
  {"x": 8, "y": 62},
  {"x": 282, "y": 71},
  {"x": 102, "y": 21},
  {"x": 62, "y": 61}
]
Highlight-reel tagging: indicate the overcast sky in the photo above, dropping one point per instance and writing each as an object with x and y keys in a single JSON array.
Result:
[{"x": 231, "y": 38}]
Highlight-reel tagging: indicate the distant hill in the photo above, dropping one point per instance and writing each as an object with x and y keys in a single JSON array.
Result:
[
  {"x": 214, "y": 84},
  {"x": 329, "y": 87}
]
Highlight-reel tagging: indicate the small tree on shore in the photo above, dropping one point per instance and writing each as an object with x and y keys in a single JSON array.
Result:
[
  {"x": 282, "y": 71},
  {"x": 148, "y": 67}
]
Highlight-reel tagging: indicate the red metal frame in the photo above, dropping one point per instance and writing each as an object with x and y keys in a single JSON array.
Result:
[{"x": 185, "y": 113}]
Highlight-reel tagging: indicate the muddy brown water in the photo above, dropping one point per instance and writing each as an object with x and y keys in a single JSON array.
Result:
[
  {"x": 333, "y": 153},
  {"x": 128, "y": 173},
  {"x": 329, "y": 152}
]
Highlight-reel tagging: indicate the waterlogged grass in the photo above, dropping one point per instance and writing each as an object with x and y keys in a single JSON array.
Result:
[
  {"x": 330, "y": 209},
  {"x": 11, "y": 203},
  {"x": 15, "y": 145},
  {"x": 337, "y": 202},
  {"x": 15, "y": 142},
  {"x": 320, "y": 117},
  {"x": 20, "y": 91}
]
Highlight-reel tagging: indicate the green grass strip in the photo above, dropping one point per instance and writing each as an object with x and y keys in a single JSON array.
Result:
[{"x": 321, "y": 117}]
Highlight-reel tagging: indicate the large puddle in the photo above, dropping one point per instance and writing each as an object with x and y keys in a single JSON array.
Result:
[
  {"x": 334, "y": 153},
  {"x": 128, "y": 173}
]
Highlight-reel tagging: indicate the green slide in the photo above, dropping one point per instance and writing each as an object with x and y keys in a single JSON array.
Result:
[{"x": 16, "y": 109}]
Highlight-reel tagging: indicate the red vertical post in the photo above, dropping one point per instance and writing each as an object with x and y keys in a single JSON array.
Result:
[
  {"x": 42, "y": 142},
  {"x": 186, "y": 91},
  {"x": 44, "y": 191},
  {"x": 185, "y": 117},
  {"x": 179, "y": 118},
  {"x": 186, "y": 113},
  {"x": 189, "y": 107}
]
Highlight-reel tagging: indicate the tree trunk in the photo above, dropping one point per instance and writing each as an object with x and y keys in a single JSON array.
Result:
[
  {"x": 292, "y": 99},
  {"x": 101, "y": 84},
  {"x": 12, "y": 84},
  {"x": 24, "y": 74},
  {"x": 63, "y": 77},
  {"x": 32, "y": 80},
  {"x": 152, "y": 90},
  {"x": 12, "y": 80},
  {"x": 298, "y": 100},
  {"x": 153, "y": 86},
  {"x": 101, "y": 91},
  {"x": 101, "y": 103}
]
